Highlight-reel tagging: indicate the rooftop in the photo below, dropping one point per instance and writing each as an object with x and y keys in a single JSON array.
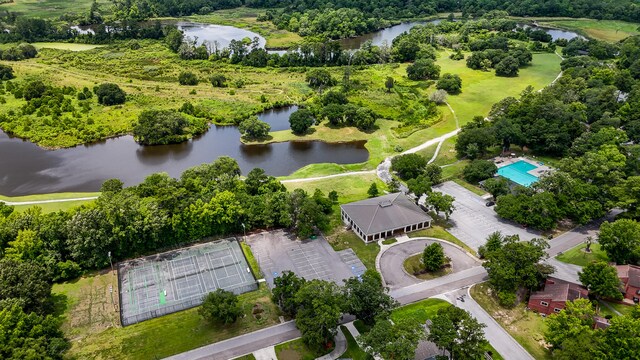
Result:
[
  {"x": 631, "y": 272},
  {"x": 383, "y": 213},
  {"x": 559, "y": 290}
]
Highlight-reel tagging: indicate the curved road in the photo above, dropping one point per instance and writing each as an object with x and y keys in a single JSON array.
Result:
[{"x": 392, "y": 261}]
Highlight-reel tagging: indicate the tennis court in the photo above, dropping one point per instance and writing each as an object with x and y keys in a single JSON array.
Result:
[{"x": 177, "y": 280}]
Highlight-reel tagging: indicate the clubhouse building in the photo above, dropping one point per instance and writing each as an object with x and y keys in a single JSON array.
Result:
[{"x": 384, "y": 216}]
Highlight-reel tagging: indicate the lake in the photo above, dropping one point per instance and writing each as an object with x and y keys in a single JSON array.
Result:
[{"x": 26, "y": 168}]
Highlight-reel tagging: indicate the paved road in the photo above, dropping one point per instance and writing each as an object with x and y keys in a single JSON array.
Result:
[
  {"x": 499, "y": 338},
  {"x": 473, "y": 221},
  {"x": 392, "y": 261},
  {"x": 243, "y": 344}
]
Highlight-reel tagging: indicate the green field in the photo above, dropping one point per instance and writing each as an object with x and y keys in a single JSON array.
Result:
[
  {"x": 49, "y": 207},
  {"x": 349, "y": 188},
  {"x": 65, "y": 46},
  {"x": 578, "y": 257},
  {"x": 525, "y": 326},
  {"x": 91, "y": 322},
  {"x": 439, "y": 232},
  {"x": 607, "y": 30},
  {"x": 413, "y": 264},
  {"x": 53, "y": 9},
  {"x": 297, "y": 350}
]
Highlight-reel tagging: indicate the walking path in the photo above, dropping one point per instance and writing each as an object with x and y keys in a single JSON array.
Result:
[
  {"x": 340, "y": 348},
  {"x": 268, "y": 353},
  {"x": 35, "y": 202}
]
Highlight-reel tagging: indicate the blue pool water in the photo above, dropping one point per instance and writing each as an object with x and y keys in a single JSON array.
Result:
[{"x": 517, "y": 172}]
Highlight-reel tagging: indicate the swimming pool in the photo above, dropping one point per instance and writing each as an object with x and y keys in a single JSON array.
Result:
[{"x": 518, "y": 173}]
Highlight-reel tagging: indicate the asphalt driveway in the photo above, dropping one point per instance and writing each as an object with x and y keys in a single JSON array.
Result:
[
  {"x": 392, "y": 260},
  {"x": 472, "y": 221}
]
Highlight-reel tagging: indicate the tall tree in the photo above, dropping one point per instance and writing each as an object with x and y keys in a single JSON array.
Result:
[
  {"x": 455, "y": 330},
  {"x": 221, "y": 306},
  {"x": 320, "y": 306},
  {"x": 397, "y": 340},
  {"x": 574, "y": 319},
  {"x": 433, "y": 257},
  {"x": 620, "y": 240},
  {"x": 367, "y": 298},
  {"x": 601, "y": 280}
]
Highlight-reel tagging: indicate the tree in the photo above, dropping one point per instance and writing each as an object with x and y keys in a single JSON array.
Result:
[
  {"x": 334, "y": 113},
  {"x": 160, "y": 127},
  {"x": 620, "y": 240},
  {"x": 300, "y": 121},
  {"x": 373, "y": 190},
  {"x": 27, "y": 282},
  {"x": 496, "y": 186},
  {"x": 320, "y": 78},
  {"x": 319, "y": 310},
  {"x": 388, "y": 83},
  {"x": 494, "y": 242},
  {"x": 367, "y": 299},
  {"x": 28, "y": 335},
  {"x": 34, "y": 90},
  {"x": 397, "y": 341},
  {"x": 479, "y": 170},
  {"x": 253, "y": 128},
  {"x": 286, "y": 287},
  {"x": 441, "y": 203},
  {"x": 601, "y": 280},
  {"x": 434, "y": 173},
  {"x": 187, "y": 78},
  {"x": 6, "y": 72},
  {"x": 574, "y": 319},
  {"x": 433, "y": 257},
  {"x": 439, "y": 96},
  {"x": 516, "y": 264},
  {"x": 408, "y": 166},
  {"x": 419, "y": 186},
  {"x": 110, "y": 94},
  {"x": 622, "y": 339},
  {"x": 26, "y": 247},
  {"x": 455, "y": 330},
  {"x": 451, "y": 83},
  {"x": 423, "y": 69},
  {"x": 221, "y": 306},
  {"x": 174, "y": 39},
  {"x": 474, "y": 141},
  {"x": 218, "y": 80},
  {"x": 365, "y": 119},
  {"x": 507, "y": 67}
]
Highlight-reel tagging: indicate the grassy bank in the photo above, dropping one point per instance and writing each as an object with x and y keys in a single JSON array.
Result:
[
  {"x": 606, "y": 30},
  {"x": 523, "y": 325},
  {"x": 53, "y": 9},
  {"x": 52, "y": 206},
  {"x": 91, "y": 322},
  {"x": 297, "y": 350}
]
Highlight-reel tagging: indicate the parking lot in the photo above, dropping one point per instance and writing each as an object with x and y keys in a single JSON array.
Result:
[
  {"x": 277, "y": 251},
  {"x": 473, "y": 221}
]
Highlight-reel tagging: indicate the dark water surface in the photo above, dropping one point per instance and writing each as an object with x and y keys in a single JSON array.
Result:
[{"x": 26, "y": 168}]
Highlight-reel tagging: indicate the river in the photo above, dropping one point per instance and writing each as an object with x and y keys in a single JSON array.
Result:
[{"x": 29, "y": 169}]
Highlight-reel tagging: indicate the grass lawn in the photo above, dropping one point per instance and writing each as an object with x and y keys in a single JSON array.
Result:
[
  {"x": 342, "y": 239},
  {"x": 420, "y": 311},
  {"x": 255, "y": 268},
  {"x": 621, "y": 308},
  {"x": 439, "y": 232},
  {"x": 297, "y": 350},
  {"x": 389, "y": 241},
  {"x": 578, "y": 257},
  {"x": 607, "y": 30},
  {"x": 413, "y": 265},
  {"x": 354, "y": 351},
  {"x": 246, "y": 18},
  {"x": 474, "y": 189},
  {"x": 50, "y": 207},
  {"x": 90, "y": 322},
  {"x": 525, "y": 326},
  {"x": 65, "y": 46},
  {"x": 349, "y": 188},
  {"x": 246, "y": 357},
  {"x": 53, "y": 9}
]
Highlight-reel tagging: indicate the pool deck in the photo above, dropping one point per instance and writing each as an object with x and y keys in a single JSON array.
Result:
[{"x": 539, "y": 171}]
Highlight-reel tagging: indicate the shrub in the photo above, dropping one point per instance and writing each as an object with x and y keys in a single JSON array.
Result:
[
  {"x": 6, "y": 72},
  {"x": 320, "y": 77},
  {"x": 218, "y": 80},
  {"x": 439, "y": 96},
  {"x": 507, "y": 299},
  {"x": 423, "y": 69},
  {"x": 221, "y": 306},
  {"x": 451, "y": 83},
  {"x": 252, "y": 128},
  {"x": 433, "y": 257},
  {"x": 110, "y": 94},
  {"x": 187, "y": 78},
  {"x": 408, "y": 166},
  {"x": 33, "y": 90}
]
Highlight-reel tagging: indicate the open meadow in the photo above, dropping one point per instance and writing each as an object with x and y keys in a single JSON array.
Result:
[{"x": 53, "y": 9}]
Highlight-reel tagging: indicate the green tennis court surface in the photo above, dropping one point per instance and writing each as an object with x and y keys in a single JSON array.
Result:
[{"x": 168, "y": 282}]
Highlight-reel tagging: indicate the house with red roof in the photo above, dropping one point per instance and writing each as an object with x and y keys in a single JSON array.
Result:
[
  {"x": 630, "y": 277},
  {"x": 553, "y": 298}
]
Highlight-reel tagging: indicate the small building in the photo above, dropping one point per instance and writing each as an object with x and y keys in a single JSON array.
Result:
[
  {"x": 600, "y": 323},
  {"x": 554, "y": 296},
  {"x": 630, "y": 277},
  {"x": 384, "y": 216}
]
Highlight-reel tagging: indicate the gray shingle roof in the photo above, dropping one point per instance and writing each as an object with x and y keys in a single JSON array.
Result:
[{"x": 384, "y": 213}]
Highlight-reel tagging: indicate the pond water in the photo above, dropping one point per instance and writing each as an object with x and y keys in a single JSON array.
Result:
[
  {"x": 220, "y": 33},
  {"x": 26, "y": 168},
  {"x": 380, "y": 36},
  {"x": 555, "y": 33}
]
